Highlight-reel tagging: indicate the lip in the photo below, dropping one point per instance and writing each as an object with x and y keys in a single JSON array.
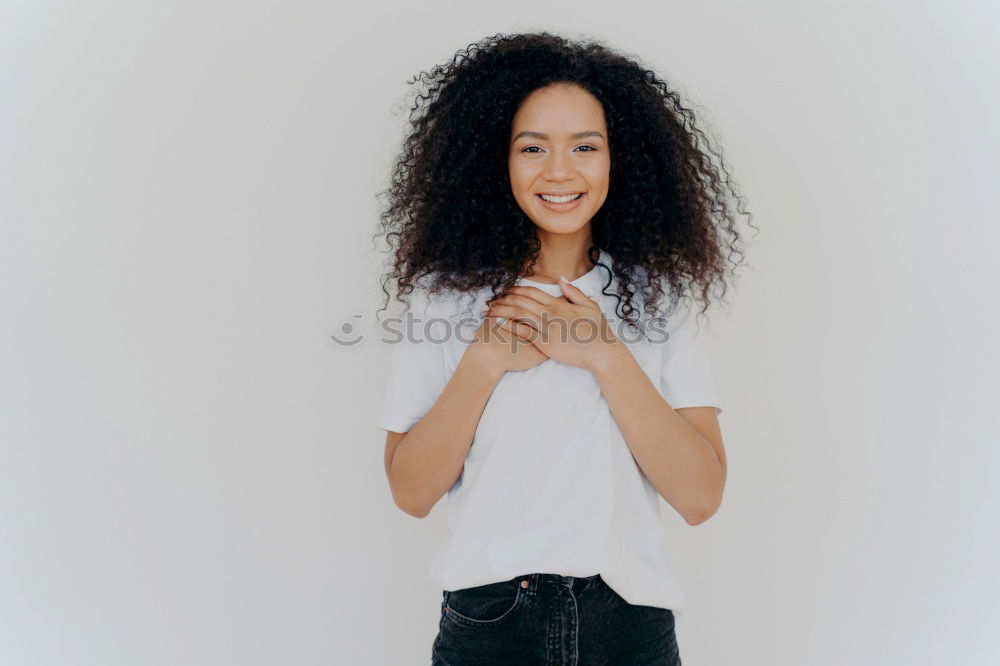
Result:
[{"x": 561, "y": 207}]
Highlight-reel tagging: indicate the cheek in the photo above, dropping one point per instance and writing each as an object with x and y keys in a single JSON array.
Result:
[
  {"x": 520, "y": 180},
  {"x": 600, "y": 173}
]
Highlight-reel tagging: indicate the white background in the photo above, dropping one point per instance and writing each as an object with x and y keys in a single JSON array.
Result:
[{"x": 190, "y": 473}]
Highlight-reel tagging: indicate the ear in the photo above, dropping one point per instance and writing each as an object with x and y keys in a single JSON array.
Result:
[{"x": 573, "y": 293}]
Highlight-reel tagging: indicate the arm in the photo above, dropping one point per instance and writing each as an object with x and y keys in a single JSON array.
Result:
[
  {"x": 679, "y": 451},
  {"x": 423, "y": 463}
]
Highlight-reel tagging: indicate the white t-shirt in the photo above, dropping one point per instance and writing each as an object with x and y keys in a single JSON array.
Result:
[{"x": 549, "y": 484}]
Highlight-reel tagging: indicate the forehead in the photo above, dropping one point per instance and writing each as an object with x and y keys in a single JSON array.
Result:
[{"x": 559, "y": 109}]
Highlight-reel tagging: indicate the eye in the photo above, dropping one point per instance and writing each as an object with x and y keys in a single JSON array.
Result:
[{"x": 583, "y": 146}]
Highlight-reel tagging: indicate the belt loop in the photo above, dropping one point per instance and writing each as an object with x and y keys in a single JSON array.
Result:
[{"x": 532, "y": 579}]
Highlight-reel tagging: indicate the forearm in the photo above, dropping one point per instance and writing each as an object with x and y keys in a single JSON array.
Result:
[
  {"x": 430, "y": 458},
  {"x": 680, "y": 464}
]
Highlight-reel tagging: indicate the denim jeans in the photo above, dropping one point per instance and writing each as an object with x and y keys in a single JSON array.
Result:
[{"x": 544, "y": 619}]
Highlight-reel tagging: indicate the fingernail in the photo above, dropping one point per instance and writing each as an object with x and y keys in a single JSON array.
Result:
[{"x": 563, "y": 279}]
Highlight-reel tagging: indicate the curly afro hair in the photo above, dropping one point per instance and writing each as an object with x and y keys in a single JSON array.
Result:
[{"x": 451, "y": 215}]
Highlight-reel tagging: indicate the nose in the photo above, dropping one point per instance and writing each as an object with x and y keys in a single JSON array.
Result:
[{"x": 558, "y": 167}]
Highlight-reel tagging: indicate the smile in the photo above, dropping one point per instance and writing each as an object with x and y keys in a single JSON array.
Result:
[{"x": 561, "y": 203}]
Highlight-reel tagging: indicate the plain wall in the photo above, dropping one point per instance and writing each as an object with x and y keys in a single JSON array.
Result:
[{"x": 190, "y": 471}]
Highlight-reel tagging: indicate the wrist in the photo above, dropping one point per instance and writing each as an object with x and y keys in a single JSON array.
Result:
[
  {"x": 607, "y": 357},
  {"x": 481, "y": 364}
]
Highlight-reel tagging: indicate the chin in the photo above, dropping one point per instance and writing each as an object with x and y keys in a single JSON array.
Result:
[{"x": 567, "y": 227}]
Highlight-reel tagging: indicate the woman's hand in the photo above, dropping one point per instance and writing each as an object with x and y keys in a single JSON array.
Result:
[
  {"x": 501, "y": 350},
  {"x": 570, "y": 328}
]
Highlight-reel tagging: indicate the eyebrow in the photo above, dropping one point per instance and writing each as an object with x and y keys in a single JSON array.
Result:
[{"x": 545, "y": 137}]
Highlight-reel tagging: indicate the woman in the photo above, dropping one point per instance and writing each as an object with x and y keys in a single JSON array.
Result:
[{"x": 549, "y": 198}]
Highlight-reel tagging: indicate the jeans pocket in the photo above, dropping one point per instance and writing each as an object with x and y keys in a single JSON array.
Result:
[{"x": 484, "y": 605}]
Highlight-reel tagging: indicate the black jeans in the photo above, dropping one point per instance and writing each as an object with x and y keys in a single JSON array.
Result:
[{"x": 543, "y": 619}]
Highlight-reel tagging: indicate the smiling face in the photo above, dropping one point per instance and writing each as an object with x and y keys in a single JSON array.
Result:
[{"x": 559, "y": 146}]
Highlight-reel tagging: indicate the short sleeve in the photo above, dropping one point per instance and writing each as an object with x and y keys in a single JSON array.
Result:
[
  {"x": 417, "y": 374},
  {"x": 687, "y": 376}
]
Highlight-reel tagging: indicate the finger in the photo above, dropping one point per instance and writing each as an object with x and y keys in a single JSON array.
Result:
[
  {"x": 574, "y": 294},
  {"x": 523, "y": 331},
  {"x": 533, "y": 293},
  {"x": 515, "y": 312},
  {"x": 499, "y": 330},
  {"x": 525, "y": 302}
]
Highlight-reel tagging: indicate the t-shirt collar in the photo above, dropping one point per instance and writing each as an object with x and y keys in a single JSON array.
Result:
[{"x": 589, "y": 283}]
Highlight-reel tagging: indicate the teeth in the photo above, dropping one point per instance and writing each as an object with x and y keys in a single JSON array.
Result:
[{"x": 569, "y": 197}]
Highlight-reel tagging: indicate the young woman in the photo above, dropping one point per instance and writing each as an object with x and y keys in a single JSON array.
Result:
[{"x": 550, "y": 197}]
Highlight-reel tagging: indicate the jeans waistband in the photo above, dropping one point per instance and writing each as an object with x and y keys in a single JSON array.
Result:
[{"x": 576, "y": 583}]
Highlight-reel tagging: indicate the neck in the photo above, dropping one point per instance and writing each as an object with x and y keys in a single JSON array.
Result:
[{"x": 561, "y": 256}]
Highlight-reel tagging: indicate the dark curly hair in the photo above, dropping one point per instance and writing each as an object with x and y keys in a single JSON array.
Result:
[{"x": 453, "y": 216}]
